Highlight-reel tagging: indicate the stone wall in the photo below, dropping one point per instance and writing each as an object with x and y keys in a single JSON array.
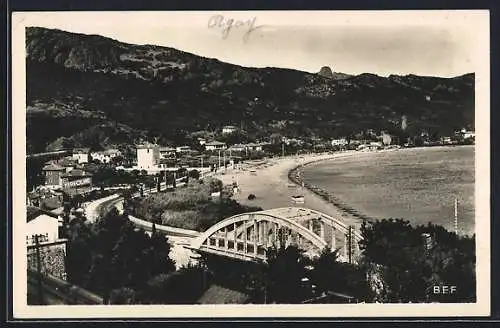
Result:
[{"x": 52, "y": 258}]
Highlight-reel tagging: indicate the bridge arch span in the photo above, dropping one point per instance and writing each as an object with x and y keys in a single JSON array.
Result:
[{"x": 248, "y": 235}]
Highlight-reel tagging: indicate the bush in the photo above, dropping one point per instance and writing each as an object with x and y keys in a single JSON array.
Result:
[
  {"x": 188, "y": 208},
  {"x": 251, "y": 197},
  {"x": 194, "y": 174},
  {"x": 122, "y": 296}
]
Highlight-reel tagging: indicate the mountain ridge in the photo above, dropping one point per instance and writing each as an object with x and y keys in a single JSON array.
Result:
[{"x": 166, "y": 92}]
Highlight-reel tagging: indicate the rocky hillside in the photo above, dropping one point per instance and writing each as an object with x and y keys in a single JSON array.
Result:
[{"x": 87, "y": 90}]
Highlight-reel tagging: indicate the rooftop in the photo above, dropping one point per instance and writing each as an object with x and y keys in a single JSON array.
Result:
[
  {"x": 146, "y": 145},
  {"x": 53, "y": 167},
  {"x": 80, "y": 150},
  {"x": 167, "y": 149},
  {"x": 33, "y": 212},
  {"x": 65, "y": 162},
  {"x": 77, "y": 173},
  {"x": 110, "y": 151},
  {"x": 216, "y": 294},
  {"x": 214, "y": 143}
]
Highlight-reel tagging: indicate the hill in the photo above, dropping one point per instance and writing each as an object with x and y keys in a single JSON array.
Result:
[{"x": 88, "y": 90}]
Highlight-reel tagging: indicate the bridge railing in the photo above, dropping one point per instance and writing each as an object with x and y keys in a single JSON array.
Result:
[{"x": 171, "y": 231}]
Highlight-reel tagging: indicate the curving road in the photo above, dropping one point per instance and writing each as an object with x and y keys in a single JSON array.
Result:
[{"x": 176, "y": 236}]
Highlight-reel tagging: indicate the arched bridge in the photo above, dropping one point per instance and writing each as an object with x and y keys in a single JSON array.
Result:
[{"x": 247, "y": 236}]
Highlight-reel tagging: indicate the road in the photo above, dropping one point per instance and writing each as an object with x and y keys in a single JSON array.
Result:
[{"x": 177, "y": 237}]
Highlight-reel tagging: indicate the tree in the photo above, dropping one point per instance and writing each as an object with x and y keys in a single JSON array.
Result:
[
  {"x": 276, "y": 139},
  {"x": 409, "y": 267},
  {"x": 181, "y": 287},
  {"x": 330, "y": 275},
  {"x": 122, "y": 295},
  {"x": 121, "y": 256},
  {"x": 194, "y": 174},
  {"x": 78, "y": 252},
  {"x": 285, "y": 271}
]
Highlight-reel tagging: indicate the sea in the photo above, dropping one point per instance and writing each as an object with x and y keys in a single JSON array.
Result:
[{"x": 416, "y": 184}]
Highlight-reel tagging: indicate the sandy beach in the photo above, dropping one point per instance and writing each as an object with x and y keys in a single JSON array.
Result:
[{"x": 268, "y": 181}]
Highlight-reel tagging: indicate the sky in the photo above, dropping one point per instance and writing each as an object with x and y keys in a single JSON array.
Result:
[{"x": 432, "y": 43}]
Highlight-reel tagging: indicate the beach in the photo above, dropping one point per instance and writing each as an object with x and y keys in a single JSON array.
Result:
[{"x": 268, "y": 181}]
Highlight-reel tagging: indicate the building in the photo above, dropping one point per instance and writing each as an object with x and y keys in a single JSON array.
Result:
[
  {"x": 374, "y": 145},
  {"x": 215, "y": 145},
  {"x": 216, "y": 294},
  {"x": 447, "y": 140},
  {"x": 42, "y": 223},
  {"x": 468, "y": 134},
  {"x": 148, "y": 156},
  {"x": 45, "y": 198},
  {"x": 183, "y": 149},
  {"x": 76, "y": 182},
  {"x": 339, "y": 142},
  {"x": 238, "y": 147},
  {"x": 68, "y": 163},
  {"x": 167, "y": 152},
  {"x": 105, "y": 156},
  {"x": 293, "y": 141},
  {"x": 386, "y": 138},
  {"x": 202, "y": 141},
  {"x": 228, "y": 129},
  {"x": 52, "y": 173},
  {"x": 81, "y": 155},
  {"x": 46, "y": 251},
  {"x": 254, "y": 146}
]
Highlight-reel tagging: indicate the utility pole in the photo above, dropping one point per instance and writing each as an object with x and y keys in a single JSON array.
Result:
[
  {"x": 219, "y": 158},
  {"x": 349, "y": 238},
  {"x": 201, "y": 166},
  {"x": 39, "y": 270},
  {"x": 456, "y": 216},
  {"x": 283, "y": 149}
]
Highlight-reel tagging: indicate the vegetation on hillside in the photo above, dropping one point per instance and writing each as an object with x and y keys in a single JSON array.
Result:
[
  {"x": 411, "y": 261},
  {"x": 112, "y": 254},
  {"x": 126, "y": 266},
  {"x": 191, "y": 207},
  {"x": 103, "y": 92}
]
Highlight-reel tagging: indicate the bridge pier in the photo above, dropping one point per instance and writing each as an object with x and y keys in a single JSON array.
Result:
[
  {"x": 226, "y": 241},
  {"x": 245, "y": 238},
  {"x": 346, "y": 242},
  {"x": 334, "y": 241},
  {"x": 235, "y": 237},
  {"x": 255, "y": 237}
]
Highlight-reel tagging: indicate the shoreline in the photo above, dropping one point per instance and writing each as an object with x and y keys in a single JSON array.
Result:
[
  {"x": 274, "y": 181},
  {"x": 294, "y": 176},
  {"x": 270, "y": 182}
]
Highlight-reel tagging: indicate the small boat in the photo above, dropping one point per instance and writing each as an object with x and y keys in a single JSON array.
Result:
[{"x": 298, "y": 199}]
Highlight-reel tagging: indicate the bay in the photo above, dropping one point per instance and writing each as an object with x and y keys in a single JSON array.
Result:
[{"x": 416, "y": 184}]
